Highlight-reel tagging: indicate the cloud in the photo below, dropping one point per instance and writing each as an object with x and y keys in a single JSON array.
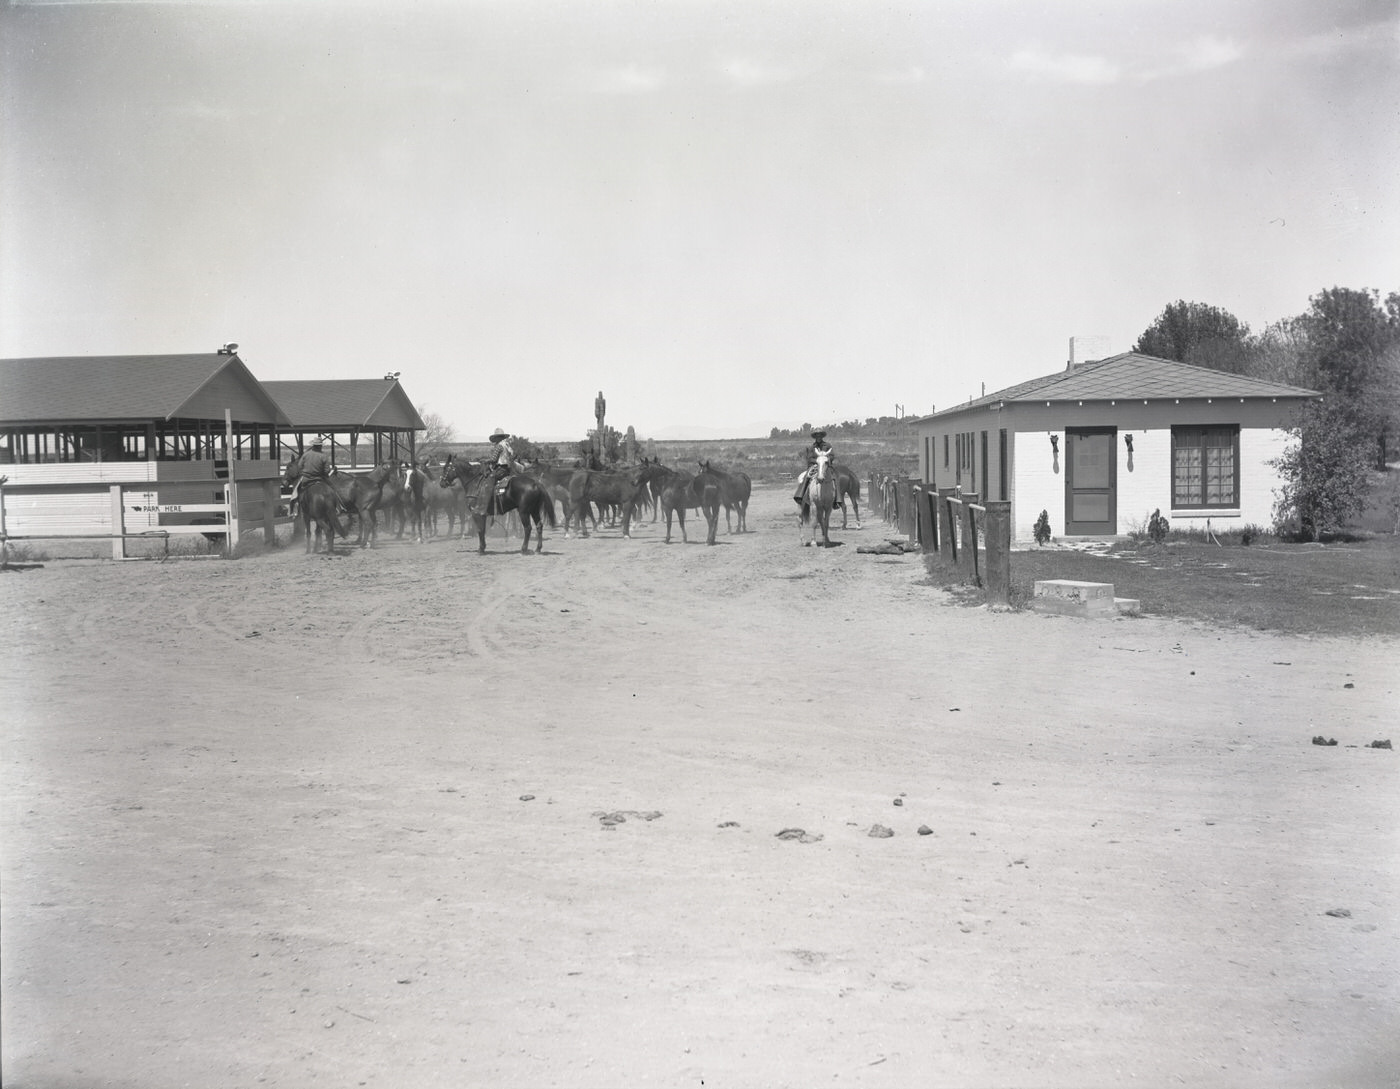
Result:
[
  {"x": 1383, "y": 34},
  {"x": 630, "y": 79},
  {"x": 913, "y": 74},
  {"x": 1201, "y": 54},
  {"x": 744, "y": 72},
  {"x": 1064, "y": 67},
  {"x": 1208, "y": 52}
]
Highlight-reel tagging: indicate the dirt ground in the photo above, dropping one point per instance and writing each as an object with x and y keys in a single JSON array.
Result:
[{"x": 416, "y": 817}]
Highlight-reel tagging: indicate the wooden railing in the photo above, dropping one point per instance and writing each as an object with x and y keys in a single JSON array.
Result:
[{"x": 953, "y": 527}]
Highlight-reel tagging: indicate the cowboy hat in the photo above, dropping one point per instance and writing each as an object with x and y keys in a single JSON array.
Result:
[
  {"x": 818, "y": 433},
  {"x": 499, "y": 434}
]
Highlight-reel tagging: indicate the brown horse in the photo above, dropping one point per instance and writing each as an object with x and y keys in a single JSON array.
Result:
[
  {"x": 555, "y": 480},
  {"x": 605, "y": 489},
  {"x": 848, "y": 487},
  {"x": 735, "y": 490},
  {"x": 522, "y": 494},
  {"x": 444, "y": 501},
  {"x": 681, "y": 492},
  {"x": 317, "y": 508},
  {"x": 360, "y": 494}
]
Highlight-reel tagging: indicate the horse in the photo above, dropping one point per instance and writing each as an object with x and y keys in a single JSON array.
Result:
[
  {"x": 359, "y": 494},
  {"x": 681, "y": 492},
  {"x": 651, "y": 480},
  {"x": 848, "y": 485},
  {"x": 449, "y": 500},
  {"x": 735, "y": 490},
  {"x": 555, "y": 480},
  {"x": 819, "y": 501},
  {"x": 317, "y": 507},
  {"x": 409, "y": 504},
  {"x": 605, "y": 489},
  {"x": 523, "y": 494}
]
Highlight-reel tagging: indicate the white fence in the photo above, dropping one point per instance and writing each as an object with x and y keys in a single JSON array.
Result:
[{"x": 55, "y": 502}]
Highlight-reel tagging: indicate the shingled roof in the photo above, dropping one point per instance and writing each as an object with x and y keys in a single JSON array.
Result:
[
  {"x": 1131, "y": 376},
  {"x": 349, "y": 404},
  {"x": 130, "y": 388}
]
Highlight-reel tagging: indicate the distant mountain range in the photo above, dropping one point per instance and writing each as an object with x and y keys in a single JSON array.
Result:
[{"x": 759, "y": 430}]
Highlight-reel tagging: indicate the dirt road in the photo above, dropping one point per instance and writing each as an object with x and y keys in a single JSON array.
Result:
[{"x": 422, "y": 818}]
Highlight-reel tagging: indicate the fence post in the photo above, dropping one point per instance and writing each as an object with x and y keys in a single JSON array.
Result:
[
  {"x": 967, "y": 555},
  {"x": 118, "y": 523},
  {"x": 947, "y": 543},
  {"x": 270, "y": 496},
  {"x": 906, "y": 508},
  {"x": 231, "y": 502},
  {"x": 997, "y": 533},
  {"x": 928, "y": 518}
]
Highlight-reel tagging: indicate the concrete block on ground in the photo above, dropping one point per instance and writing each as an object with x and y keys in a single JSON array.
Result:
[
  {"x": 1068, "y": 597},
  {"x": 1128, "y": 606}
]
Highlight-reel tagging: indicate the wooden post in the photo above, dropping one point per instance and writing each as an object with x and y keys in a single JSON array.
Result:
[
  {"x": 997, "y": 531},
  {"x": 967, "y": 554},
  {"x": 231, "y": 499},
  {"x": 927, "y": 498},
  {"x": 947, "y": 542},
  {"x": 231, "y": 488},
  {"x": 118, "y": 523},
  {"x": 271, "y": 490},
  {"x": 905, "y": 501}
]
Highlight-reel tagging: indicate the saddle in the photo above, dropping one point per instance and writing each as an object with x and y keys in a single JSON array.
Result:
[{"x": 495, "y": 495}]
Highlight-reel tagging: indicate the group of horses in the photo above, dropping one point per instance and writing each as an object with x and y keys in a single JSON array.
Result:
[{"x": 419, "y": 495}]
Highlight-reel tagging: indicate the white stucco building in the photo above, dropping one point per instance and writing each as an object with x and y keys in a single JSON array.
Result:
[{"x": 1101, "y": 445}]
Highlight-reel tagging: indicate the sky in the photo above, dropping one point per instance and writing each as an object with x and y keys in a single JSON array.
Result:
[{"x": 724, "y": 216}]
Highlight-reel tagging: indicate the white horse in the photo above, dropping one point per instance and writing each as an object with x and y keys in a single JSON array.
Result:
[{"x": 819, "y": 502}]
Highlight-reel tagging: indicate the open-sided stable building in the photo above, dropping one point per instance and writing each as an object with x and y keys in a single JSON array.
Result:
[
  {"x": 135, "y": 446},
  {"x": 365, "y": 420},
  {"x": 155, "y": 445},
  {"x": 1103, "y": 444}
]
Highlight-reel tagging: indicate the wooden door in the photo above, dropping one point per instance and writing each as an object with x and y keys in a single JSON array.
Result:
[{"x": 1091, "y": 481}]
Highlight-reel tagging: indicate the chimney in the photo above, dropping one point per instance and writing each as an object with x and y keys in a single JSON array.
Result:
[{"x": 1086, "y": 350}]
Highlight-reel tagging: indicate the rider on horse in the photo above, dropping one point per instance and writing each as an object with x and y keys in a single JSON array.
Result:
[
  {"x": 315, "y": 468},
  {"x": 818, "y": 445},
  {"x": 502, "y": 462}
]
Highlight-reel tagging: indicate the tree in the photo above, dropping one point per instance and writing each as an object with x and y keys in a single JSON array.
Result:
[
  {"x": 1325, "y": 473},
  {"x": 436, "y": 430},
  {"x": 525, "y": 450},
  {"x": 1198, "y": 334},
  {"x": 1283, "y": 353},
  {"x": 1355, "y": 345}
]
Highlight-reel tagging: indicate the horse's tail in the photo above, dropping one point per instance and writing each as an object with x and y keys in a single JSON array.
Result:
[
  {"x": 854, "y": 489},
  {"x": 547, "y": 507}
]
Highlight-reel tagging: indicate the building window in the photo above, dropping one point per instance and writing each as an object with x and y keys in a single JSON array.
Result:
[
  {"x": 945, "y": 451},
  {"x": 1205, "y": 467}
]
